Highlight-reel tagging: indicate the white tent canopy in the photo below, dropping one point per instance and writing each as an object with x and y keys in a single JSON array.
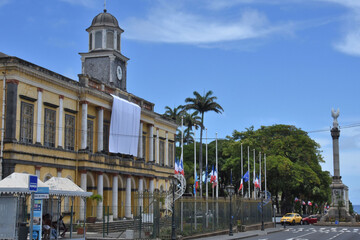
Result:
[
  {"x": 17, "y": 183},
  {"x": 65, "y": 187}
]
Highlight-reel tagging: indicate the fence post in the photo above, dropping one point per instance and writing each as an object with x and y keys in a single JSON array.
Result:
[
  {"x": 103, "y": 221},
  {"x": 108, "y": 216},
  {"x": 140, "y": 223}
]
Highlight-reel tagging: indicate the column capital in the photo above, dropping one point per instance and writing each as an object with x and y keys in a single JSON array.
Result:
[
  {"x": 40, "y": 89},
  {"x": 61, "y": 96},
  {"x": 37, "y": 167},
  {"x": 115, "y": 174},
  {"x": 58, "y": 169},
  {"x": 100, "y": 108},
  {"x": 14, "y": 81},
  {"x": 99, "y": 173},
  {"x": 84, "y": 102},
  {"x": 82, "y": 171}
]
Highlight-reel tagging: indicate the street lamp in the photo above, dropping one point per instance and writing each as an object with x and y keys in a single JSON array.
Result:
[
  {"x": 230, "y": 190},
  {"x": 173, "y": 184}
]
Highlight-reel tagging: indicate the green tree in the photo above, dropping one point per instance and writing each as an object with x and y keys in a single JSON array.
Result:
[
  {"x": 203, "y": 104},
  {"x": 293, "y": 163},
  {"x": 174, "y": 113}
]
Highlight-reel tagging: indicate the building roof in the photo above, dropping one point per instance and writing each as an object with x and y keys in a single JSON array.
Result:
[{"x": 3, "y": 55}]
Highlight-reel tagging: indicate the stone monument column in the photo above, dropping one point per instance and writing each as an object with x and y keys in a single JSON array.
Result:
[{"x": 339, "y": 191}]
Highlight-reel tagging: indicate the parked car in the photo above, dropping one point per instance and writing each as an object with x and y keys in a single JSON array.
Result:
[
  {"x": 309, "y": 219},
  {"x": 291, "y": 218}
]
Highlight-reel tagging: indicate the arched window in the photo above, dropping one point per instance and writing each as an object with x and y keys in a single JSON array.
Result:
[
  {"x": 118, "y": 42},
  {"x": 47, "y": 177},
  {"x": 110, "y": 39},
  {"x": 98, "y": 39},
  {"x": 90, "y": 41}
]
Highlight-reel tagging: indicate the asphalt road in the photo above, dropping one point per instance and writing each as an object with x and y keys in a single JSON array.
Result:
[{"x": 310, "y": 232}]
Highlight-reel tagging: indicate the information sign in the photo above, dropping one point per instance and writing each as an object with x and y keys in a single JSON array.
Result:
[{"x": 33, "y": 183}]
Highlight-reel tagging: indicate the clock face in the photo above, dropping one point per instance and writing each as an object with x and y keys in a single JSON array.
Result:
[{"x": 119, "y": 72}]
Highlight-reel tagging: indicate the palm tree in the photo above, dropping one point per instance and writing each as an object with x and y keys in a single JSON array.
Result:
[
  {"x": 174, "y": 113},
  {"x": 203, "y": 104}
]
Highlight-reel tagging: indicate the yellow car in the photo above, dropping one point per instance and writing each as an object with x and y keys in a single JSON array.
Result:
[{"x": 291, "y": 218}]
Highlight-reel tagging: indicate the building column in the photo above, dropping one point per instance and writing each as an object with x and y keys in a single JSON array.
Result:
[
  {"x": 100, "y": 142},
  {"x": 39, "y": 117},
  {"x": 115, "y": 195},
  {"x": 83, "y": 185},
  {"x": 141, "y": 190},
  {"x": 141, "y": 155},
  {"x": 100, "y": 191},
  {"x": 37, "y": 171},
  {"x": 167, "y": 149},
  {"x": 84, "y": 110},
  {"x": 151, "y": 143},
  {"x": 128, "y": 197},
  {"x": 157, "y": 155},
  {"x": 58, "y": 172},
  {"x": 61, "y": 126}
]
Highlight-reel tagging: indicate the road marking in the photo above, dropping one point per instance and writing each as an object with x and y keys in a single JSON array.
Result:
[
  {"x": 300, "y": 237},
  {"x": 335, "y": 236}
]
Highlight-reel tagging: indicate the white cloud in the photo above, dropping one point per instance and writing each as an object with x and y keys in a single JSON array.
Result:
[
  {"x": 350, "y": 42},
  {"x": 170, "y": 24},
  {"x": 3, "y": 2},
  {"x": 85, "y": 3}
]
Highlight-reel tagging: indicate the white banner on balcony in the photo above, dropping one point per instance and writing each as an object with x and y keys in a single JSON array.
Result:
[{"x": 124, "y": 127}]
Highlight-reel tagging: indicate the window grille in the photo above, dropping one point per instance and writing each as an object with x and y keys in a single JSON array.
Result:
[
  {"x": 49, "y": 127},
  {"x": 90, "y": 134},
  {"x": 106, "y": 137},
  {"x": 69, "y": 132},
  {"x": 26, "y": 123}
]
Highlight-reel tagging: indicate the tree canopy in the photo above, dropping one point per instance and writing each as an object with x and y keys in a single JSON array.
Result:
[{"x": 292, "y": 157}]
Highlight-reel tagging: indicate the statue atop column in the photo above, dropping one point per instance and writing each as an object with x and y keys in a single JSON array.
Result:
[{"x": 335, "y": 115}]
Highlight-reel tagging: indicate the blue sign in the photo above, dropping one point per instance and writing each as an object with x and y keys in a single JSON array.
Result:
[{"x": 33, "y": 183}]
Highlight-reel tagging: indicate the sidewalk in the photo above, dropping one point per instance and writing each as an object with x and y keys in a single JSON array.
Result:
[{"x": 241, "y": 235}]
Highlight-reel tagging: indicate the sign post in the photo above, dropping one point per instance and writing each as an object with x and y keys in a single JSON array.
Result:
[{"x": 33, "y": 184}]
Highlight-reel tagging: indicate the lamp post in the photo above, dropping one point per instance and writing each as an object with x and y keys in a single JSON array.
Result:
[
  {"x": 173, "y": 233},
  {"x": 231, "y": 190}
]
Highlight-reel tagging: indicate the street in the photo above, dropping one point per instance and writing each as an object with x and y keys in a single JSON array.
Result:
[{"x": 311, "y": 232}]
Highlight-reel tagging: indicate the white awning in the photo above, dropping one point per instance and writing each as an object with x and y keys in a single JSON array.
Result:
[
  {"x": 65, "y": 187},
  {"x": 17, "y": 183}
]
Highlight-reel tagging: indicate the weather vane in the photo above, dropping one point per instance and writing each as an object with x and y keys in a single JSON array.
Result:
[{"x": 104, "y": 5}]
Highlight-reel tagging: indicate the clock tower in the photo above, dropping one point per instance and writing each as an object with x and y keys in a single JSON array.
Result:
[{"x": 104, "y": 60}]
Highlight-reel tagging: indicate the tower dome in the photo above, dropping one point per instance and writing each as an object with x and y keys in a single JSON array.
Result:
[{"x": 104, "y": 19}]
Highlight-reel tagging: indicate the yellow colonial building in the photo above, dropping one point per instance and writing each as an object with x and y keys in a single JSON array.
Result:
[{"x": 56, "y": 126}]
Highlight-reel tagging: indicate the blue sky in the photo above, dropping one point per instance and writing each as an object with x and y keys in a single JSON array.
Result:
[{"x": 267, "y": 61}]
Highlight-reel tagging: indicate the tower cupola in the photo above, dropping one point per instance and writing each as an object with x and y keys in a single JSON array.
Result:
[{"x": 104, "y": 33}]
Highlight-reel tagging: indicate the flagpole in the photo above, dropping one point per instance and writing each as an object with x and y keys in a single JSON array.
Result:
[
  {"x": 265, "y": 171},
  {"x": 195, "y": 160},
  {"x": 254, "y": 176},
  {"x": 216, "y": 157},
  {"x": 242, "y": 189},
  {"x": 206, "y": 173},
  {"x": 249, "y": 190},
  {"x": 182, "y": 136},
  {"x": 260, "y": 170}
]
